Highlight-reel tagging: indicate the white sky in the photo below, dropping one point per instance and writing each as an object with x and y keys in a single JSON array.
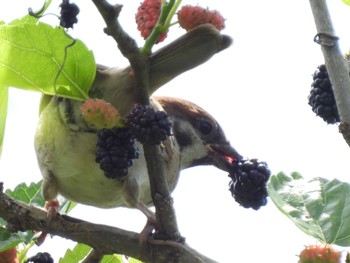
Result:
[{"x": 257, "y": 90}]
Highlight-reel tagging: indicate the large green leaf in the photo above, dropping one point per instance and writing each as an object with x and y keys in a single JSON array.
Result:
[
  {"x": 113, "y": 259},
  {"x": 319, "y": 207},
  {"x": 79, "y": 252},
  {"x": 36, "y": 56},
  {"x": 347, "y": 2},
  {"x": 3, "y": 113},
  {"x": 134, "y": 260},
  {"x": 28, "y": 194}
]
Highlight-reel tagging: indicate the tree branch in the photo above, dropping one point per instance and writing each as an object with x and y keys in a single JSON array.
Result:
[
  {"x": 162, "y": 200},
  {"x": 128, "y": 47},
  {"x": 337, "y": 66},
  {"x": 104, "y": 239},
  {"x": 140, "y": 65}
]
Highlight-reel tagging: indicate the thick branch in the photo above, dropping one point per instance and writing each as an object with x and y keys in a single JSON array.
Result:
[
  {"x": 104, "y": 239},
  {"x": 337, "y": 66}
]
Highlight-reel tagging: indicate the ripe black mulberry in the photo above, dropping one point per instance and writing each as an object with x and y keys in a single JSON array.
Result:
[
  {"x": 321, "y": 98},
  {"x": 248, "y": 184},
  {"x": 116, "y": 151},
  {"x": 149, "y": 126}
]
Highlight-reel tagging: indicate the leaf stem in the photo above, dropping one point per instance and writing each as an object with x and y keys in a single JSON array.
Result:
[
  {"x": 24, "y": 251},
  {"x": 167, "y": 22}
]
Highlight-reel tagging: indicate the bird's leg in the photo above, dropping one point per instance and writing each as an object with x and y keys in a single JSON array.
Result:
[
  {"x": 131, "y": 195},
  {"x": 49, "y": 192},
  {"x": 151, "y": 223},
  {"x": 52, "y": 207}
]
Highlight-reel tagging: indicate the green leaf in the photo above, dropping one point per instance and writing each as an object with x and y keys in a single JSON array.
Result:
[
  {"x": 67, "y": 206},
  {"x": 79, "y": 252},
  {"x": 3, "y": 222},
  {"x": 319, "y": 207},
  {"x": 112, "y": 259},
  {"x": 347, "y": 2},
  {"x": 28, "y": 194},
  {"x": 36, "y": 56},
  {"x": 8, "y": 239},
  {"x": 134, "y": 260},
  {"x": 3, "y": 113}
]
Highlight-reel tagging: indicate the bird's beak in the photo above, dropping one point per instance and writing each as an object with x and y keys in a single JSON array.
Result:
[{"x": 223, "y": 156}]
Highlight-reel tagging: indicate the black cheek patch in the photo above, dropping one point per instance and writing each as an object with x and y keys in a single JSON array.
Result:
[{"x": 181, "y": 136}]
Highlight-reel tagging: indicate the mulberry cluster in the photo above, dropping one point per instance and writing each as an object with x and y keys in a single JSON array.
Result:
[
  {"x": 149, "y": 126},
  {"x": 192, "y": 16},
  {"x": 69, "y": 12},
  {"x": 116, "y": 151},
  {"x": 147, "y": 17},
  {"x": 248, "y": 185},
  {"x": 40, "y": 258},
  {"x": 321, "y": 97}
]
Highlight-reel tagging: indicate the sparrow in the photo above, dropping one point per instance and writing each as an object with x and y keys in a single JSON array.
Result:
[{"x": 66, "y": 146}]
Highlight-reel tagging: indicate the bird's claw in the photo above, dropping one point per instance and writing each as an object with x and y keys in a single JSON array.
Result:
[{"x": 52, "y": 207}]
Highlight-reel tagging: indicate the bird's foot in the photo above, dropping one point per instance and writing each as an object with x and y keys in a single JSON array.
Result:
[
  {"x": 151, "y": 224},
  {"x": 52, "y": 207},
  {"x": 148, "y": 230}
]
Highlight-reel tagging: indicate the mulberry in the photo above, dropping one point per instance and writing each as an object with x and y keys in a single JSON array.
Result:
[
  {"x": 149, "y": 126},
  {"x": 321, "y": 97},
  {"x": 190, "y": 17},
  {"x": 248, "y": 185},
  {"x": 147, "y": 16},
  {"x": 116, "y": 151}
]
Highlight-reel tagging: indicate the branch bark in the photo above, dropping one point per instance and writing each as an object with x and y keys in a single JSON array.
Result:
[
  {"x": 102, "y": 238},
  {"x": 337, "y": 66}
]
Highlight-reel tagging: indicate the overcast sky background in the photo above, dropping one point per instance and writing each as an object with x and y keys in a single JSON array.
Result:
[{"x": 257, "y": 89}]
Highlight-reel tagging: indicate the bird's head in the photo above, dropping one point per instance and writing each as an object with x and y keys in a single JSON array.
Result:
[{"x": 199, "y": 136}]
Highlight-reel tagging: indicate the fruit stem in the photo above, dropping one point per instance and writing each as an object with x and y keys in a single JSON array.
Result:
[
  {"x": 171, "y": 14},
  {"x": 166, "y": 14}
]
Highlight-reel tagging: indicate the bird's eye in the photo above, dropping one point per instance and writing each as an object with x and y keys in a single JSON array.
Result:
[{"x": 205, "y": 127}]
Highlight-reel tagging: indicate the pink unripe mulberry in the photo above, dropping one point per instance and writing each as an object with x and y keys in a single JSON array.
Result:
[{"x": 190, "y": 17}]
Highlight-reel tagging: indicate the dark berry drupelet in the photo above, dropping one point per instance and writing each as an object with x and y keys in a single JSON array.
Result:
[
  {"x": 116, "y": 151},
  {"x": 40, "y": 258},
  {"x": 248, "y": 185},
  {"x": 69, "y": 12},
  {"x": 321, "y": 97},
  {"x": 149, "y": 126}
]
